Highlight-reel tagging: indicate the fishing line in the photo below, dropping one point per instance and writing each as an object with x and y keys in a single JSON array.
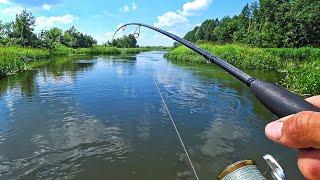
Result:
[
  {"x": 137, "y": 32},
  {"x": 277, "y": 99},
  {"x": 176, "y": 129}
]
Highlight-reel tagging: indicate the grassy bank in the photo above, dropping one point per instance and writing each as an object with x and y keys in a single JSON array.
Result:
[
  {"x": 15, "y": 59},
  {"x": 97, "y": 50},
  {"x": 300, "y": 67}
]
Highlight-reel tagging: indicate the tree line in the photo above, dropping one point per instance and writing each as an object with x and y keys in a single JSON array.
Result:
[
  {"x": 266, "y": 23},
  {"x": 124, "y": 42},
  {"x": 21, "y": 32}
]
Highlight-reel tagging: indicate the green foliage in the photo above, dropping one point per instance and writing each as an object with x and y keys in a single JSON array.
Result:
[
  {"x": 269, "y": 23},
  {"x": 240, "y": 56},
  {"x": 300, "y": 66},
  {"x": 74, "y": 39},
  {"x": 101, "y": 50},
  {"x": 22, "y": 29},
  {"x": 296, "y": 54},
  {"x": 304, "y": 77},
  {"x": 21, "y": 32},
  {"x": 124, "y": 42},
  {"x": 14, "y": 59},
  {"x": 49, "y": 39}
]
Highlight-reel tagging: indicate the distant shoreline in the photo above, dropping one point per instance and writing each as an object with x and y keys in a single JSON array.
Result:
[{"x": 14, "y": 59}]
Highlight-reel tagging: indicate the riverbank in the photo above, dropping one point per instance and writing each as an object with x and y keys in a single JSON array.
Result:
[
  {"x": 14, "y": 59},
  {"x": 300, "y": 67}
]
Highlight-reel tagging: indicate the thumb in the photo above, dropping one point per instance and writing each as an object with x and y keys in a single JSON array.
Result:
[{"x": 301, "y": 130}]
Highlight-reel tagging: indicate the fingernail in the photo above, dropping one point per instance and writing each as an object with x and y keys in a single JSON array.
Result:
[{"x": 274, "y": 130}]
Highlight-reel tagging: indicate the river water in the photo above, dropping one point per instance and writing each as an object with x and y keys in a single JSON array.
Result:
[{"x": 103, "y": 118}]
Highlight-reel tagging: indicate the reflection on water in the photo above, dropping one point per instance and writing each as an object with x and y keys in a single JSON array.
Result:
[{"x": 102, "y": 118}]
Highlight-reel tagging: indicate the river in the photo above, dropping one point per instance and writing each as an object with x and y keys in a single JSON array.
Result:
[{"x": 103, "y": 118}]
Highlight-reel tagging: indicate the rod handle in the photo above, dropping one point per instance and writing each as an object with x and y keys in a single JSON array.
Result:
[{"x": 279, "y": 100}]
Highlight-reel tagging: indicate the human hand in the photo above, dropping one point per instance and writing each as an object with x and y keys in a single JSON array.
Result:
[{"x": 300, "y": 131}]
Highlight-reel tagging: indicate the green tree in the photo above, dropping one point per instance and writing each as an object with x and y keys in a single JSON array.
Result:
[
  {"x": 5, "y": 31},
  {"x": 300, "y": 23},
  {"x": 225, "y": 31},
  {"x": 267, "y": 23},
  {"x": 54, "y": 34},
  {"x": 191, "y": 36},
  {"x": 243, "y": 23},
  {"x": 22, "y": 29},
  {"x": 125, "y": 42},
  {"x": 209, "y": 30},
  {"x": 2, "y": 30},
  {"x": 75, "y": 39}
]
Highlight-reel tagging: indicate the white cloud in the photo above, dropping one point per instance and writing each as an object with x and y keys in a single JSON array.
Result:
[
  {"x": 125, "y": 8},
  {"x": 4, "y": 1},
  {"x": 190, "y": 8},
  {"x": 12, "y": 11},
  {"x": 43, "y": 22},
  {"x": 108, "y": 35},
  {"x": 170, "y": 19},
  {"x": 173, "y": 18},
  {"x": 134, "y": 6},
  {"x": 46, "y": 7}
]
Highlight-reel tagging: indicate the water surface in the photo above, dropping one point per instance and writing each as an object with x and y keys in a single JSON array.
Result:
[{"x": 103, "y": 118}]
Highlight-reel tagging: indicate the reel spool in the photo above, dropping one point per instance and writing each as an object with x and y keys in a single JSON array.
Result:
[{"x": 248, "y": 170}]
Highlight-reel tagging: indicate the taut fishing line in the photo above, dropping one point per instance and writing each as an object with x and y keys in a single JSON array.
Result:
[{"x": 176, "y": 129}]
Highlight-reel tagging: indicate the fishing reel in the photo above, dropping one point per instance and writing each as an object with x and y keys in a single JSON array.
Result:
[{"x": 248, "y": 170}]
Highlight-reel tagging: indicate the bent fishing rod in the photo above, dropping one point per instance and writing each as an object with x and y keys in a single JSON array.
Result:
[{"x": 277, "y": 99}]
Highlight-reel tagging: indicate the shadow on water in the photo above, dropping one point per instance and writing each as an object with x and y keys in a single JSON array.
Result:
[{"x": 102, "y": 118}]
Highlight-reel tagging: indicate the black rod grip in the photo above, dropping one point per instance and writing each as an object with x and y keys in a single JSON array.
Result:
[{"x": 279, "y": 100}]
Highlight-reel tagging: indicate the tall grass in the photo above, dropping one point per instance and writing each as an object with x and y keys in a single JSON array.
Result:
[
  {"x": 25, "y": 54},
  {"x": 240, "y": 56},
  {"x": 14, "y": 59},
  {"x": 96, "y": 50},
  {"x": 303, "y": 77},
  {"x": 296, "y": 54},
  {"x": 300, "y": 67}
]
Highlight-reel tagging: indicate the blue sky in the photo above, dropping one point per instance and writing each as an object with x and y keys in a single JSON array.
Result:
[{"x": 100, "y": 18}]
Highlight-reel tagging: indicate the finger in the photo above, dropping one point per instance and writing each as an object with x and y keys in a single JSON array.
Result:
[
  {"x": 297, "y": 131},
  {"x": 315, "y": 100},
  {"x": 309, "y": 163},
  {"x": 274, "y": 129}
]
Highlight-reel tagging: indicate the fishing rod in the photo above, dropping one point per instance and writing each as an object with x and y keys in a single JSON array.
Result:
[{"x": 275, "y": 98}]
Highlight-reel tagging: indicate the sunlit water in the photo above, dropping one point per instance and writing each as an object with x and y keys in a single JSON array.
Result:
[{"x": 103, "y": 118}]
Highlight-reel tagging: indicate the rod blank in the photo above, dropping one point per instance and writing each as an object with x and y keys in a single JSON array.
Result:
[
  {"x": 277, "y": 99},
  {"x": 243, "y": 77}
]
